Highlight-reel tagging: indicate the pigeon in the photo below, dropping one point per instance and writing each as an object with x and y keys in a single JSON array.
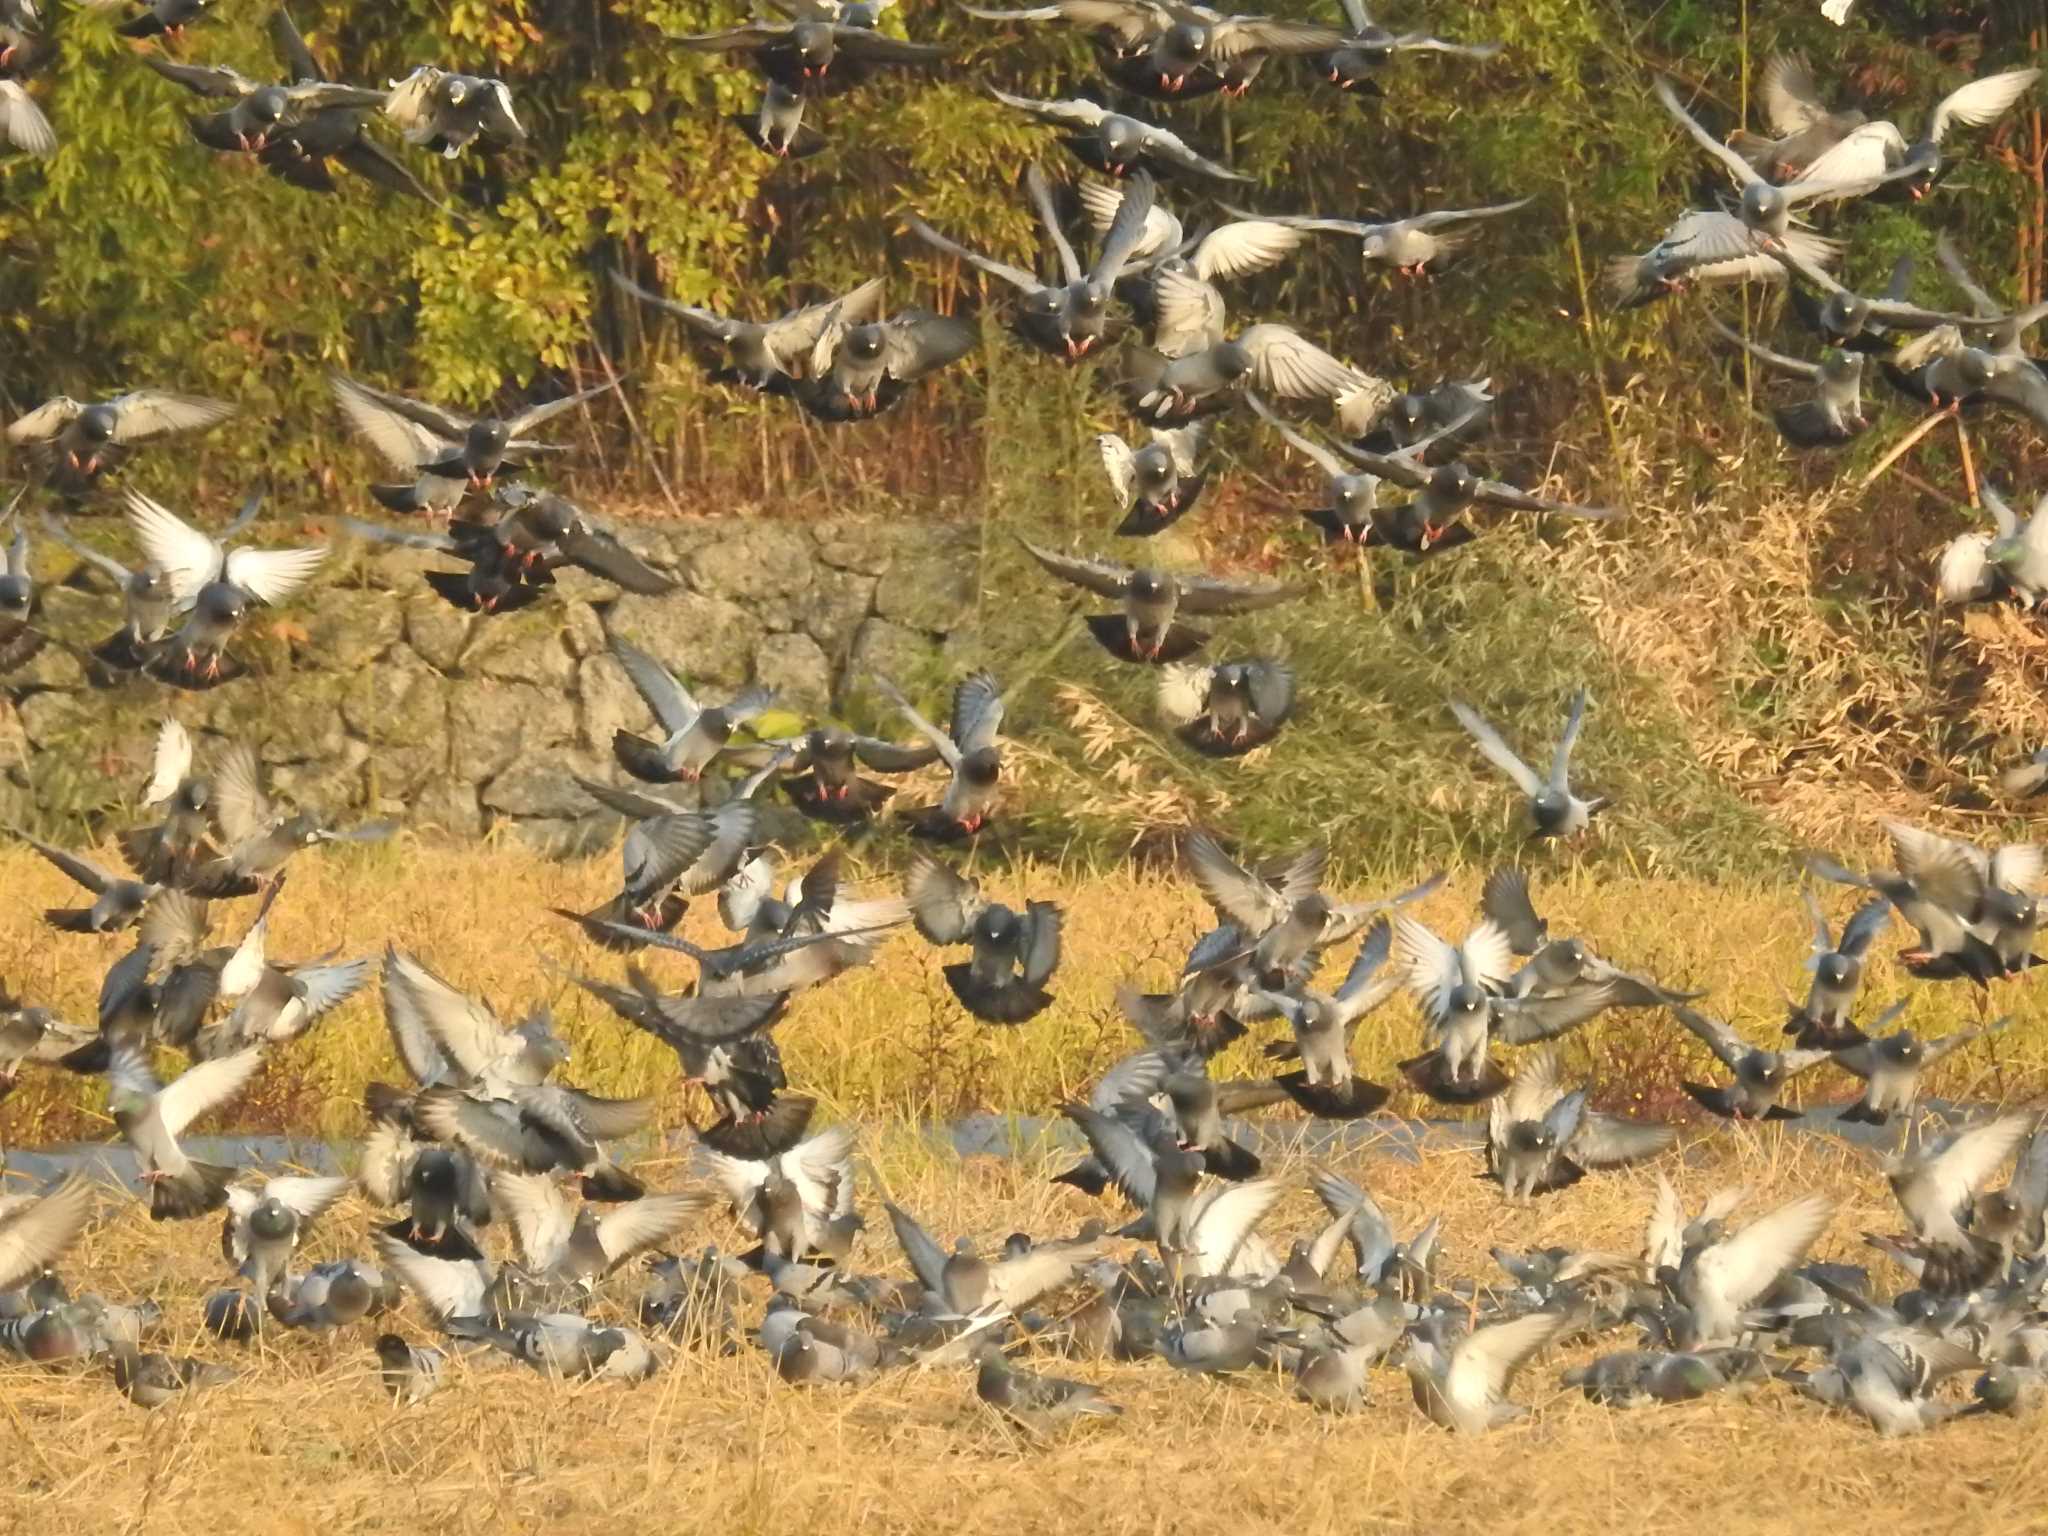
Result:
[
  {"x": 273, "y": 1004},
  {"x": 798, "y": 1203},
  {"x": 1835, "y": 413},
  {"x": 1189, "y": 311},
  {"x": 1369, "y": 48},
  {"x": 117, "y": 904},
  {"x": 1710, "y": 247},
  {"x": 859, "y": 370},
  {"x": 265, "y": 1223},
  {"x": 1453, "y": 411},
  {"x": 147, "y": 602},
  {"x": 151, "y": 1116},
  {"x": 1723, "y": 1275},
  {"x": 85, "y": 441},
  {"x": 1412, "y": 245},
  {"x": 32, "y": 1034},
  {"x": 411, "y": 1373},
  {"x": 444, "y": 112},
  {"x": 153, "y": 1380},
  {"x": 20, "y": 605},
  {"x": 1158, "y": 483},
  {"x": 1760, "y": 1075},
  {"x": 1327, "y": 1084},
  {"x": 812, "y": 54},
  {"x": 1146, "y": 630},
  {"x": 1456, "y": 985},
  {"x": 535, "y": 533},
  {"x": 1843, "y": 318},
  {"x": 1271, "y": 359},
  {"x": 1228, "y": 709},
  {"x": 1803, "y": 128},
  {"x": 968, "y": 747},
  {"x": 1878, "y": 149},
  {"x": 1890, "y": 1066},
  {"x": 1035, "y": 1402},
  {"x": 159, "y": 18},
  {"x": 694, "y": 735},
  {"x": 1015, "y": 953},
  {"x": 962, "y": 1282},
  {"x": 1116, "y": 145},
  {"x": 258, "y": 114},
  {"x": 1837, "y": 974},
  {"x": 1539, "y": 1138},
  {"x": 214, "y": 587},
  {"x": 1997, "y": 330},
  {"x": 22, "y": 122},
  {"x": 1353, "y": 515},
  {"x": 1766, "y": 209},
  {"x": 1068, "y": 319},
  {"x": 1551, "y": 807},
  {"x": 2027, "y": 778},
  {"x": 36, "y": 1230},
  {"x": 822, "y": 775},
  {"x": 1559, "y": 966},
  {"x": 580, "y": 1246},
  {"x": 441, "y": 453},
  {"x": 2010, "y": 563},
  {"x": 769, "y": 356},
  {"x": 776, "y": 125},
  {"x": 1463, "y": 1387}
]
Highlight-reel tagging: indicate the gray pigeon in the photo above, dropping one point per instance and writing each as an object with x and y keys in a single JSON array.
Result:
[
  {"x": 1227, "y": 709},
  {"x": 1035, "y": 1402},
  {"x": 968, "y": 747},
  {"x": 265, "y": 1224},
  {"x": 767, "y": 356},
  {"x": 1146, "y": 630},
  {"x": 117, "y": 905},
  {"x": 1890, "y": 1066},
  {"x": 85, "y": 440},
  {"x": 411, "y": 1372},
  {"x": 1117, "y": 145},
  {"x": 1463, "y": 1386},
  {"x": 1067, "y": 319},
  {"x": 1552, "y": 809},
  {"x": 445, "y": 112},
  {"x": 1540, "y": 1138},
  {"x": 147, "y": 601},
  {"x": 1157, "y": 483},
  {"x": 693, "y": 734},
  {"x": 1014, "y": 953},
  {"x": 1412, "y": 245},
  {"x": 1835, "y": 412},
  {"x": 1760, "y": 1075},
  {"x": 151, "y": 1115}
]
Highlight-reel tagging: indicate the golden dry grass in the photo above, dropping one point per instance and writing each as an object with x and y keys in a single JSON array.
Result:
[
  {"x": 890, "y": 1041},
  {"x": 306, "y": 1442}
]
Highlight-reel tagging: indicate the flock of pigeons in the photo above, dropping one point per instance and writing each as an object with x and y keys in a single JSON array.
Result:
[{"x": 489, "y": 1135}]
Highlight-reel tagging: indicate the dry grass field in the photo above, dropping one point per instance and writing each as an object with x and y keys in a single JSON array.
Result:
[{"x": 306, "y": 1441}]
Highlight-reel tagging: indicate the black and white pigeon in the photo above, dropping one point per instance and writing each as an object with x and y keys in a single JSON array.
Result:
[
  {"x": 1540, "y": 1138},
  {"x": 1412, "y": 245},
  {"x": 1014, "y": 953},
  {"x": 1158, "y": 482},
  {"x": 1834, "y": 412},
  {"x": 1708, "y": 247},
  {"x": 859, "y": 370},
  {"x": 1837, "y": 967},
  {"x": 147, "y": 603},
  {"x": 1760, "y": 1075},
  {"x": 1370, "y": 48}
]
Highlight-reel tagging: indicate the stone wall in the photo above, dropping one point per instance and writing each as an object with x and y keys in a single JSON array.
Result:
[{"x": 373, "y": 697}]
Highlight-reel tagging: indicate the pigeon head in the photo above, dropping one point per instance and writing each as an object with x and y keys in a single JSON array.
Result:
[
  {"x": 393, "y": 1353},
  {"x": 1905, "y": 1048},
  {"x": 147, "y": 581},
  {"x": 1313, "y": 910},
  {"x": 1565, "y": 959},
  {"x": 349, "y": 1295},
  {"x": 551, "y": 517},
  {"x": 301, "y": 829},
  {"x": 1764, "y": 207},
  {"x": 814, "y": 45},
  {"x": 1465, "y": 1000},
  {"x": 1835, "y": 970},
  {"x": 265, "y": 109},
  {"x": 1408, "y": 410},
  {"x": 1998, "y": 1389},
  {"x": 1375, "y": 245},
  {"x": 1453, "y": 484},
  {"x": 273, "y": 1221},
  {"x": 864, "y": 343},
  {"x": 96, "y": 423},
  {"x": 15, "y": 595},
  {"x": 1231, "y": 360},
  {"x": 1152, "y": 467},
  {"x": 1531, "y": 1136},
  {"x": 997, "y": 926},
  {"x": 981, "y": 767},
  {"x": 2009, "y": 908},
  {"x": 1354, "y": 495},
  {"x": 1839, "y": 366},
  {"x": 1768, "y": 1067},
  {"x": 1149, "y": 585},
  {"x": 220, "y": 602},
  {"x": 1122, "y": 139},
  {"x": 1977, "y": 367},
  {"x": 1016, "y": 1245},
  {"x": 1845, "y": 315},
  {"x": 453, "y": 90},
  {"x": 1232, "y": 681},
  {"x": 1550, "y": 807},
  {"x": 484, "y": 444}
]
